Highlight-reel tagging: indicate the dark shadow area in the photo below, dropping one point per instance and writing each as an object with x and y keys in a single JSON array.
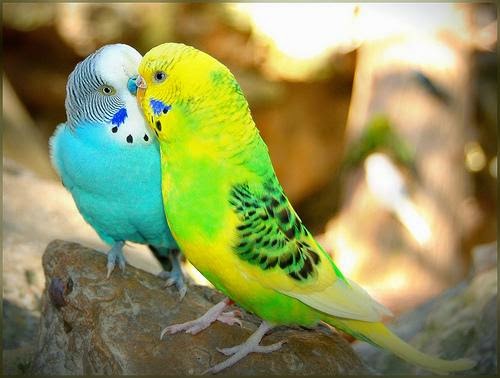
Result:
[{"x": 19, "y": 326}]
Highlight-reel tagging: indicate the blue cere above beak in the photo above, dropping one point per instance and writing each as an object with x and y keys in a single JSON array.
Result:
[{"x": 132, "y": 86}]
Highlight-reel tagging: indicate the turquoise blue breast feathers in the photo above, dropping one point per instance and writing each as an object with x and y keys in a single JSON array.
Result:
[{"x": 108, "y": 160}]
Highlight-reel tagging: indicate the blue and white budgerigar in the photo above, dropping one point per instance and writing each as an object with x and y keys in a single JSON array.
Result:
[{"x": 109, "y": 161}]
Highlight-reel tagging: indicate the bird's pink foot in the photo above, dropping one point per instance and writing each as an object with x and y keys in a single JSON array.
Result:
[
  {"x": 204, "y": 321},
  {"x": 251, "y": 345},
  {"x": 255, "y": 349},
  {"x": 230, "y": 317}
]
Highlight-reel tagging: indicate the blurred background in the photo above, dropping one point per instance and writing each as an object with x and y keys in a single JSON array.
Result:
[{"x": 381, "y": 121}]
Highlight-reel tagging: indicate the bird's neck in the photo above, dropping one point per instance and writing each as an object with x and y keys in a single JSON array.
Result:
[
  {"x": 219, "y": 133},
  {"x": 199, "y": 169}
]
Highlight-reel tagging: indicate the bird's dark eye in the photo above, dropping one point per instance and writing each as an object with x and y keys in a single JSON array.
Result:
[
  {"x": 107, "y": 90},
  {"x": 159, "y": 76}
]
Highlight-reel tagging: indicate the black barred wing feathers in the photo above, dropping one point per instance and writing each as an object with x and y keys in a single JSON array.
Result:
[
  {"x": 282, "y": 255},
  {"x": 271, "y": 235}
]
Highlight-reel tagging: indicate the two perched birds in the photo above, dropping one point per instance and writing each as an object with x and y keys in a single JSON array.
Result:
[{"x": 207, "y": 172}]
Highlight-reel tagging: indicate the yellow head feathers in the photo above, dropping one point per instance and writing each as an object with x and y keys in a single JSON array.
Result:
[
  {"x": 187, "y": 88},
  {"x": 169, "y": 66}
]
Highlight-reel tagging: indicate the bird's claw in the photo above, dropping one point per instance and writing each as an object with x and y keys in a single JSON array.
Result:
[
  {"x": 251, "y": 345},
  {"x": 110, "y": 267},
  {"x": 169, "y": 282},
  {"x": 231, "y": 317},
  {"x": 115, "y": 256},
  {"x": 238, "y": 352},
  {"x": 173, "y": 329},
  {"x": 197, "y": 325},
  {"x": 192, "y": 327},
  {"x": 204, "y": 321},
  {"x": 174, "y": 279},
  {"x": 256, "y": 349},
  {"x": 182, "y": 292}
]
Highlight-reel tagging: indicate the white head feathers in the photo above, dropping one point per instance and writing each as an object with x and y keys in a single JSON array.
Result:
[{"x": 97, "y": 93}]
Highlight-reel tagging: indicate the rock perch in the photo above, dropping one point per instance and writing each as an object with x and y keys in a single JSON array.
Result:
[{"x": 91, "y": 325}]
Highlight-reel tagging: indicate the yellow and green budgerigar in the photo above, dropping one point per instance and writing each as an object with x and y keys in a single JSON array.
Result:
[{"x": 230, "y": 216}]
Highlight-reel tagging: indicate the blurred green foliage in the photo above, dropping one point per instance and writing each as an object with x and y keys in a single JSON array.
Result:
[{"x": 379, "y": 135}]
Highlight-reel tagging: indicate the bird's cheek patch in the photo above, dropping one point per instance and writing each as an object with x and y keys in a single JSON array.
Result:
[
  {"x": 159, "y": 107},
  {"x": 119, "y": 117}
]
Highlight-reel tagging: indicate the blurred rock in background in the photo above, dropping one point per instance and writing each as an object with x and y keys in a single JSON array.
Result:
[
  {"x": 22, "y": 140},
  {"x": 461, "y": 322},
  {"x": 381, "y": 123},
  {"x": 409, "y": 210}
]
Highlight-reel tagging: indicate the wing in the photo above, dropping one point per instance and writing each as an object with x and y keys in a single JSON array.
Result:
[
  {"x": 282, "y": 254},
  {"x": 272, "y": 236}
]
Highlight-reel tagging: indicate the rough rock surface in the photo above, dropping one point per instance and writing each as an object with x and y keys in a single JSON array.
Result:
[
  {"x": 462, "y": 322},
  {"x": 91, "y": 325}
]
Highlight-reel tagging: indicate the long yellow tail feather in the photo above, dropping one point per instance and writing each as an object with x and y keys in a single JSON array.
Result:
[{"x": 378, "y": 334}]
